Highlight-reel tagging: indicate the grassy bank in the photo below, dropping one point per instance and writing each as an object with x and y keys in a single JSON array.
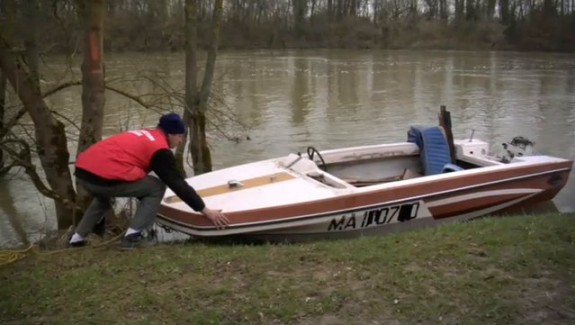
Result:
[{"x": 513, "y": 270}]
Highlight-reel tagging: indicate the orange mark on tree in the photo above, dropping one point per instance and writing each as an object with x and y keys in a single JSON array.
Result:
[{"x": 95, "y": 52}]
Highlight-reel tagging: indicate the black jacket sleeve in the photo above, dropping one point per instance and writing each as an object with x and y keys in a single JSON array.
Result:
[{"x": 164, "y": 165}]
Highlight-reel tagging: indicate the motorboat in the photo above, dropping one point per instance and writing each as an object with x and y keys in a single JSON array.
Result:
[{"x": 427, "y": 180}]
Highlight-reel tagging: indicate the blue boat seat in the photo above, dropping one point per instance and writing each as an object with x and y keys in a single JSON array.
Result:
[
  {"x": 450, "y": 168},
  {"x": 434, "y": 149}
]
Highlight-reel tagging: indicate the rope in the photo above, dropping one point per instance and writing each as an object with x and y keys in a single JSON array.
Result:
[
  {"x": 10, "y": 256},
  {"x": 63, "y": 250},
  {"x": 13, "y": 255}
]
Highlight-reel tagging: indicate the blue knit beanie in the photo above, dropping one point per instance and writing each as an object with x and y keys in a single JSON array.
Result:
[{"x": 172, "y": 123}]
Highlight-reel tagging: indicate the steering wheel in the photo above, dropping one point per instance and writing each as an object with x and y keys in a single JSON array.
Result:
[{"x": 311, "y": 152}]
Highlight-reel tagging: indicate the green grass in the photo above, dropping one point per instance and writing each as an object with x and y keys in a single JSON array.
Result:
[{"x": 512, "y": 270}]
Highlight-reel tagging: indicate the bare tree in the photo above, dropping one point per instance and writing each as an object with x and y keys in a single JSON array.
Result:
[
  {"x": 504, "y": 13},
  {"x": 50, "y": 138},
  {"x": 299, "y": 8},
  {"x": 12, "y": 217},
  {"x": 157, "y": 25},
  {"x": 196, "y": 100},
  {"x": 49, "y": 133},
  {"x": 93, "y": 83},
  {"x": 3, "y": 168},
  {"x": 31, "y": 53}
]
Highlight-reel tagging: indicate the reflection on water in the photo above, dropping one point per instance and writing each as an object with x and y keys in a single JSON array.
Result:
[{"x": 329, "y": 99}]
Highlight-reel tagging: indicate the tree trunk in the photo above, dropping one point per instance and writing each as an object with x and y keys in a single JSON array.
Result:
[
  {"x": 459, "y": 10},
  {"x": 51, "y": 142},
  {"x": 201, "y": 155},
  {"x": 93, "y": 84},
  {"x": 11, "y": 213},
  {"x": 443, "y": 11},
  {"x": 299, "y": 8},
  {"x": 330, "y": 10},
  {"x": 2, "y": 113},
  {"x": 504, "y": 11},
  {"x": 32, "y": 57},
  {"x": 489, "y": 10},
  {"x": 470, "y": 14},
  {"x": 197, "y": 101},
  {"x": 191, "y": 88}
]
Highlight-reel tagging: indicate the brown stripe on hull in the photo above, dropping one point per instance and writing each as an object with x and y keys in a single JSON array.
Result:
[
  {"x": 248, "y": 183},
  {"x": 538, "y": 182},
  {"x": 468, "y": 206},
  {"x": 533, "y": 176}
]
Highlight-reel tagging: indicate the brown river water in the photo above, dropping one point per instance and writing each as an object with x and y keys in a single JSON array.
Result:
[{"x": 288, "y": 100}]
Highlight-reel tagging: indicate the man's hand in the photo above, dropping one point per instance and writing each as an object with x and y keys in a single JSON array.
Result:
[{"x": 217, "y": 217}]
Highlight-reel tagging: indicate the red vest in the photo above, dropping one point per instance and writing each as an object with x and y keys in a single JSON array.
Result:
[{"x": 125, "y": 156}]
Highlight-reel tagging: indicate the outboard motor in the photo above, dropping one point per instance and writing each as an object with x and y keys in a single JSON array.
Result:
[{"x": 518, "y": 147}]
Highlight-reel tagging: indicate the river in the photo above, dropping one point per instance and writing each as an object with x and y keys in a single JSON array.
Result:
[{"x": 288, "y": 100}]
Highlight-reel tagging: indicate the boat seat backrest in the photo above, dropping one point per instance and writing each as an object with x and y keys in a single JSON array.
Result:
[{"x": 434, "y": 149}]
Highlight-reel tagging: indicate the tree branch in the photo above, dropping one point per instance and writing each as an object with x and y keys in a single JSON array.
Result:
[
  {"x": 130, "y": 96},
  {"x": 61, "y": 87},
  {"x": 8, "y": 125},
  {"x": 23, "y": 159},
  {"x": 66, "y": 119},
  {"x": 4, "y": 170},
  {"x": 6, "y": 128}
]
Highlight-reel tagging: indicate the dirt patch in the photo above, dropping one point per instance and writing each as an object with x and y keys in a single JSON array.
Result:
[{"x": 547, "y": 301}]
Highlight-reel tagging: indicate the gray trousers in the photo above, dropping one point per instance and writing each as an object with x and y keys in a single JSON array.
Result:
[{"x": 149, "y": 190}]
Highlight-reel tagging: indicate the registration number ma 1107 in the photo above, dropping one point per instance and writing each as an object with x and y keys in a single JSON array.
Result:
[{"x": 375, "y": 217}]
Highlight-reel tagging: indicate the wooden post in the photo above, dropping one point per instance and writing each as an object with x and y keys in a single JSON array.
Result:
[{"x": 445, "y": 123}]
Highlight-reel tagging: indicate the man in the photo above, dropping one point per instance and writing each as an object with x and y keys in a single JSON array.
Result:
[{"x": 118, "y": 167}]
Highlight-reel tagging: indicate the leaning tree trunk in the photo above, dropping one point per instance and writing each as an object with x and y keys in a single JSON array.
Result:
[
  {"x": 197, "y": 102},
  {"x": 2, "y": 112},
  {"x": 51, "y": 142},
  {"x": 93, "y": 84}
]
